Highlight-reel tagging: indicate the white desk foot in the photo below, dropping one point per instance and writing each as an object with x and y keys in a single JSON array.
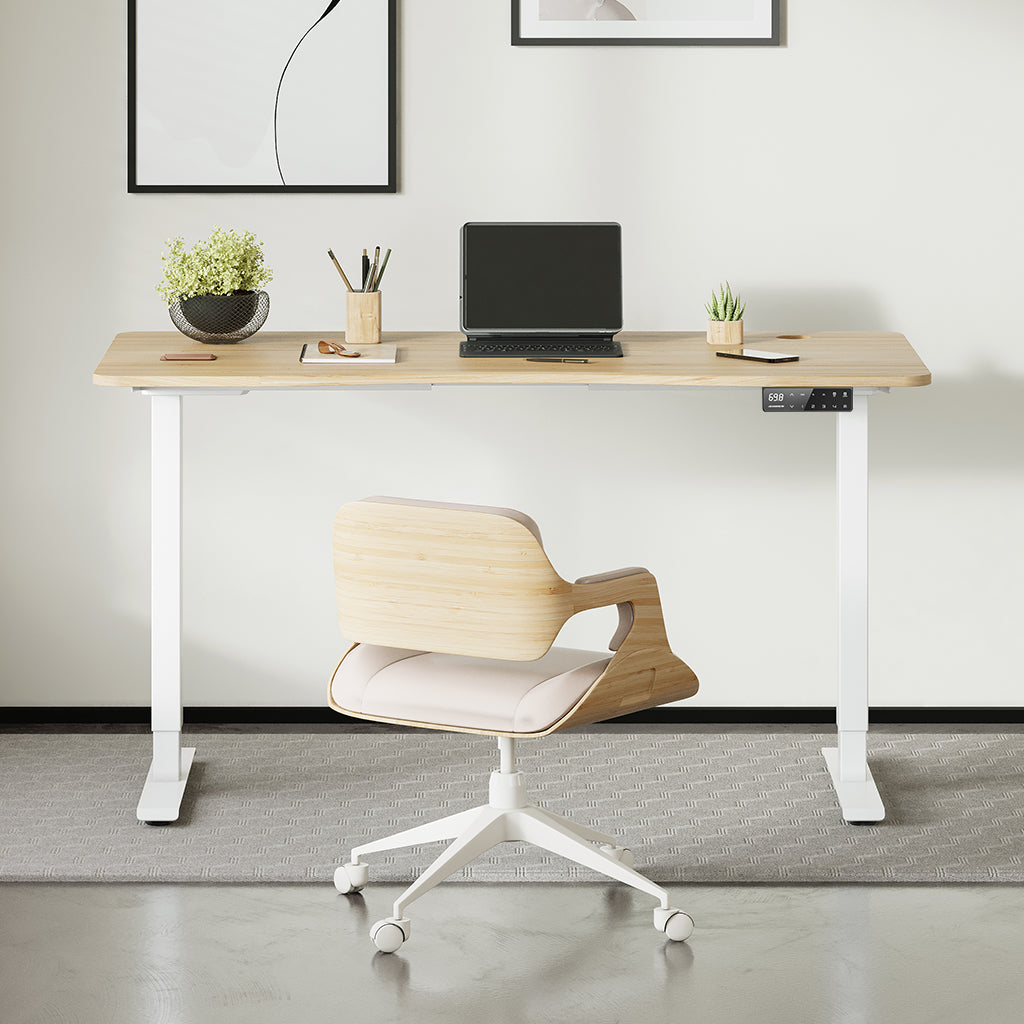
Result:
[
  {"x": 160, "y": 802},
  {"x": 859, "y": 801}
]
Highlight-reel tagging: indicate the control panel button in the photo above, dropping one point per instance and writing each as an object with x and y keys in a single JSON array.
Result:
[{"x": 806, "y": 399}]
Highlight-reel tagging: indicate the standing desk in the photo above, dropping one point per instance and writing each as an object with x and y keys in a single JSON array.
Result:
[{"x": 868, "y": 362}]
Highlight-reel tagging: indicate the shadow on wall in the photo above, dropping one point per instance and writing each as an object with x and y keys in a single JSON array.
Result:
[
  {"x": 967, "y": 422},
  {"x": 793, "y": 311},
  {"x": 121, "y": 673},
  {"x": 970, "y": 423}
]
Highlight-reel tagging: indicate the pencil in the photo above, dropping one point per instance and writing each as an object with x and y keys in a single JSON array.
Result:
[{"x": 330, "y": 252}]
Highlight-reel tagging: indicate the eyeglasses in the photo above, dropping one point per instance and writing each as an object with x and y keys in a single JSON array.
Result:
[{"x": 326, "y": 347}]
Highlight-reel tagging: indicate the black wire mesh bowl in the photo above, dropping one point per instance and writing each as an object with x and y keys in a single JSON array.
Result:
[{"x": 221, "y": 319}]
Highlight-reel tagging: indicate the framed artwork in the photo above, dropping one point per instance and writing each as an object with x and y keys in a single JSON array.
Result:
[
  {"x": 261, "y": 96},
  {"x": 645, "y": 22}
]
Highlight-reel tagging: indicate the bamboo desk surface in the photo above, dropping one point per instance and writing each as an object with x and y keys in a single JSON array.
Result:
[{"x": 270, "y": 359}]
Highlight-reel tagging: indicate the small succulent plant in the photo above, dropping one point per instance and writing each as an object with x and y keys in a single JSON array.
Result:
[{"x": 723, "y": 306}]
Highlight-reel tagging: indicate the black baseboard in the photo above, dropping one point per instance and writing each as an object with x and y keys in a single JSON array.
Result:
[{"x": 15, "y": 718}]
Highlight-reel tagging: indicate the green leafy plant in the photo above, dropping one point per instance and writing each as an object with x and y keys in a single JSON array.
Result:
[
  {"x": 226, "y": 262},
  {"x": 723, "y": 306}
]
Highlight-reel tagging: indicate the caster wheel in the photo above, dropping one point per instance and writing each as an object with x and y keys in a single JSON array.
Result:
[
  {"x": 619, "y": 853},
  {"x": 389, "y": 934},
  {"x": 676, "y": 925},
  {"x": 350, "y": 878}
]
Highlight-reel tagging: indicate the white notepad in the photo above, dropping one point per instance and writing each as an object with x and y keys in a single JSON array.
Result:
[{"x": 367, "y": 354}]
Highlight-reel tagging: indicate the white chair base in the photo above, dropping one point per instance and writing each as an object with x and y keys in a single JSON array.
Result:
[{"x": 506, "y": 818}]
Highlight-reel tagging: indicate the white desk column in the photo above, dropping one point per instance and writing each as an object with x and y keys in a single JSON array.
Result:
[
  {"x": 847, "y": 762},
  {"x": 168, "y": 773}
]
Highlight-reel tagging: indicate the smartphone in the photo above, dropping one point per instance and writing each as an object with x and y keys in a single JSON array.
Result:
[{"x": 759, "y": 356}]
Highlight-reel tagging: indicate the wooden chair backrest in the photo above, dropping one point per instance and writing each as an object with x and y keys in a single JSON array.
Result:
[{"x": 446, "y": 578}]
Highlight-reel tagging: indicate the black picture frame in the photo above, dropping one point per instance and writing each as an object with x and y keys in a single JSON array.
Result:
[
  {"x": 771, "y": 8},
  {"x": 388, "y": 176}
]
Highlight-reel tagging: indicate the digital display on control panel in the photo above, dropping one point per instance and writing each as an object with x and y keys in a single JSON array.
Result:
[{"x": 807, "y": 399}]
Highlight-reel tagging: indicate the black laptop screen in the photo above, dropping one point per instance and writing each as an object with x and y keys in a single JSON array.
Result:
[{"x": 534, "y": 278}]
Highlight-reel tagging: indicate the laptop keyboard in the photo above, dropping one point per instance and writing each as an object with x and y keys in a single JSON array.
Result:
[{"x": 549, "y": 347}]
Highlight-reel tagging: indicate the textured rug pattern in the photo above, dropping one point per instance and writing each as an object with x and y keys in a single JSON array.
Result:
[{"x": 694, "y": 807}]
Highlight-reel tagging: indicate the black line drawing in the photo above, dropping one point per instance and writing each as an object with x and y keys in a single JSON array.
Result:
[{"x": 277, "y": 96}]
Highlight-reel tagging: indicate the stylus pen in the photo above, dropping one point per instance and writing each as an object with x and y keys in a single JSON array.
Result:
[
  {"x": 553, "y": 359},
  {"x": 370, "y": 287},
  {"x": 383, "y": 267}
]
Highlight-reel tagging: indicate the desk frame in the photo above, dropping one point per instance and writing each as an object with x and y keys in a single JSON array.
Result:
[{"x": 847, "y": 763}]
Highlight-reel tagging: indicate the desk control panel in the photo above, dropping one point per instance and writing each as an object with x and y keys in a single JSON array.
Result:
[{"x": 806, "y": 399}]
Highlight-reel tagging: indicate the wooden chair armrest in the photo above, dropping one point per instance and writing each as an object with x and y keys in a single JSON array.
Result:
[
  {"x": 607, "y": 587},
  {"x": 643, "y": 672},
  {"x": 635, "y": 592}
]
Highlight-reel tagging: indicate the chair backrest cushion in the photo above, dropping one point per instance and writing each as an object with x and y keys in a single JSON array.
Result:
[{"x": 455, "y": 579}]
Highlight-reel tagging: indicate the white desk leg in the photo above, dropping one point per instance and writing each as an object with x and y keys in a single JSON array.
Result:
[
  {"x": 847, "y": 762},
  {"x": 168, "y": 773}
]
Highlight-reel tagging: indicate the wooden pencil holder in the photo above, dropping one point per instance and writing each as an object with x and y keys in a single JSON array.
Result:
[{"x": 362, "y": 318}]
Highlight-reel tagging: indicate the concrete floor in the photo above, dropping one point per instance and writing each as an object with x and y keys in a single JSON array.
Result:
[{"x": 516, "y": 954}]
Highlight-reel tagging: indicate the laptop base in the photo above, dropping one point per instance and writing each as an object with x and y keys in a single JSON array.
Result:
[{"x": 540, "y": 348}]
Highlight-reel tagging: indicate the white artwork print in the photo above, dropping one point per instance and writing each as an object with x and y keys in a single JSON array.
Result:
[
  {"x": 253, "y": 93},
  {"x": 646, "y": 10},
  {"x": 670, "y": 20}
]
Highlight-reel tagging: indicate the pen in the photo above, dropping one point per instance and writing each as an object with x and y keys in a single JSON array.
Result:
[
  {"x": 330, "y": 252},
  {"x": 188, "y": 357},
  {"x": 553, "y": 359},
  {"x": 373, "y": 271},
  {"x": 366, "y": 269},
  {"x": 383, "y": 264}
]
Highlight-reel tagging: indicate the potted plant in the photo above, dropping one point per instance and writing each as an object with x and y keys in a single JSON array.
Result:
[
  {"x": 213, "y": 289},
  {"x": 725, "y": 317}
]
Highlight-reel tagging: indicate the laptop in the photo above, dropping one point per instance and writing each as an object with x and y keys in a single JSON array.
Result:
[{"x": 541, "y": 290}]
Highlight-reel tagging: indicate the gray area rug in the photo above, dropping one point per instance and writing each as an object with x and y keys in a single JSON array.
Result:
[{"x": 706, "y": 807}]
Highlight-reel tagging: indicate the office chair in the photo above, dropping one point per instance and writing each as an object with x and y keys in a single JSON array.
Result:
[{"x": 452, "y": 610}]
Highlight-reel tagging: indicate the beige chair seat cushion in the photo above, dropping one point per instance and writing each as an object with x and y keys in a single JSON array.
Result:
[{"x": 469, "y": 693}]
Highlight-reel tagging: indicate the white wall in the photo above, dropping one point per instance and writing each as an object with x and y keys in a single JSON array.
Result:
[{"x": 866, "y": 175}]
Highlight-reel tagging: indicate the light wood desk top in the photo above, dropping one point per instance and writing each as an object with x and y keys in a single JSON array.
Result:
[{"x": 270, "y": 359}]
